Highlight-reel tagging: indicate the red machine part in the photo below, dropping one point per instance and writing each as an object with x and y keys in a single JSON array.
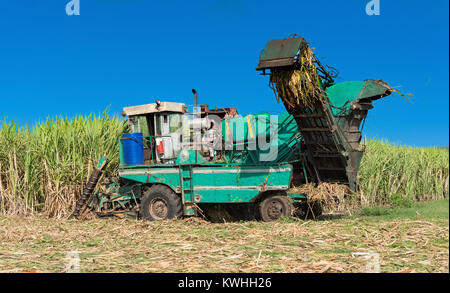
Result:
[{"x": 159, "y": 145}]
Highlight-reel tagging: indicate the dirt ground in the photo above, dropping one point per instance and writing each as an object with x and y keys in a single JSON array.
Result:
[{"x": 37, "y": 244}]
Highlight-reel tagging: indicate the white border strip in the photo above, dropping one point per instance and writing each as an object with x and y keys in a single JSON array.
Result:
[
  {"x": 214, "y": 171},
  {"x": 207, "y": 171},
  {"x": 153, "y": 171},
  {"x": 257, "y": 187}
]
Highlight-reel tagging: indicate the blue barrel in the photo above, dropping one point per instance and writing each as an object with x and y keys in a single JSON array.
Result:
[{"x": 133, "y": 148}]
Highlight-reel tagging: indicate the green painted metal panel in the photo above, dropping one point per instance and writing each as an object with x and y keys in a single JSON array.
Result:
[
  {"x": 215, "y": 184},
  {"x": 238, "y": 184},
  {"x": 245, "y": 128},
  {"x": 284, "y": 48},
  {"x": 237, "y": 129},
  {"x": 280, "y": 149},
  {"x": 169, "y": 176},
  {"x": 279, "y": 53},
  {"x": 342, "y": 94},
  {"x": 297, "y": 196},
  {"x": 190, "y": 157},
  {"x": 374, "y": 88},
  {"x": 226, "y": 196}
]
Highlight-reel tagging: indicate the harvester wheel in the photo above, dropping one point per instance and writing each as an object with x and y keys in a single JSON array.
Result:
[
  {"x": 274, "y": 207},
  {"x": 160, "y": 203}
]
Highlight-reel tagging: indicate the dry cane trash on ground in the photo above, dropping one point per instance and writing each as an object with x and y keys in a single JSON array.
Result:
[
  {"x": 333, "y": 198},
  {"x": 39, "y": 244}
]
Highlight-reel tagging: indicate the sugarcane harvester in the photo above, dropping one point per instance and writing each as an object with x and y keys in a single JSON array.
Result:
[{"x": 182, "y": 160}]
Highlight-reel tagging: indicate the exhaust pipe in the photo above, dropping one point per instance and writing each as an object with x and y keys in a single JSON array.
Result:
[{"x": 195, "y": 96}]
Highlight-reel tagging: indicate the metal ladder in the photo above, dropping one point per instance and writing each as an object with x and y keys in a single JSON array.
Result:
[{"x": 187, "y": 188}]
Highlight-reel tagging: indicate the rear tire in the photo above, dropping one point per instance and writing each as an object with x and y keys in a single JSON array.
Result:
[
  {"x": 160, "y": 203},
  {"x": 274, "y": 207}
]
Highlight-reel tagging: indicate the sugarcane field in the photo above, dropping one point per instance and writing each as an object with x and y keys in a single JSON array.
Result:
[{"x": 175, "y": 138}]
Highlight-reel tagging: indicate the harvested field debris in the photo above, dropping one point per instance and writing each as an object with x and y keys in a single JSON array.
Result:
[
  {"x": 333, "y": 198},
  {"x": 38, "y": 244}
]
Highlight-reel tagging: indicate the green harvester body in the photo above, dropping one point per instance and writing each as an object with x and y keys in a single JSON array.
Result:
[{"x": 238, "y": 175}]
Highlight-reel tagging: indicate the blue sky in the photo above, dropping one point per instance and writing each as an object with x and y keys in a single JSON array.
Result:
[{"x": 119, "y": 53}]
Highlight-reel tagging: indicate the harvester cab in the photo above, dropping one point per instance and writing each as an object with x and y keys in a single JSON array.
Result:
[
  {"x": 154, "y": 133},
  {"x": 159, "y": 132},
  {"x": 179, "y": 160}
]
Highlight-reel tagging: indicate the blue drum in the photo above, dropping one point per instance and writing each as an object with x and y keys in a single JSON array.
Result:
[{"x": 133, "y": 148}]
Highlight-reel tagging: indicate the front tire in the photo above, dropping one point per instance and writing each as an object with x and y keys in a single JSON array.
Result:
[
  {"x": 274, "y": 207},
  {"x": 160, "y": 203}
]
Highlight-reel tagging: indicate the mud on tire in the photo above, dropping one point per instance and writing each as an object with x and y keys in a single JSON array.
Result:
[
  {"x": 159, "y": 202},
  {"x": 274, "y": 207}
]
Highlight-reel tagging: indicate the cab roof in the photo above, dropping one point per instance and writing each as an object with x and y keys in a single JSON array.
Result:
[{"x": 154, "y": 108}]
